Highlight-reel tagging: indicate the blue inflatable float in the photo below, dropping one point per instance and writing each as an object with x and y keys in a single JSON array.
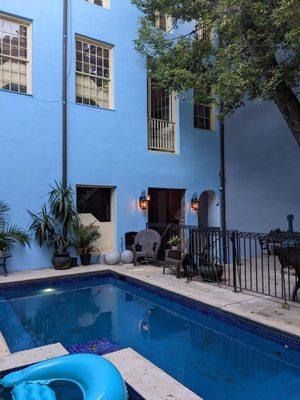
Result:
[{"x": 97, "y": 378}]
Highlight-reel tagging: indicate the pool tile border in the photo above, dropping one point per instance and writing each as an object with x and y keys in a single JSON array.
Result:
[{"x": 256, "y": 328}]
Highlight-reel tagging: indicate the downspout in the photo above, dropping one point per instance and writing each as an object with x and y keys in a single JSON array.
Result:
[
  {"x": 223, "y": 187},
  {"x": 64, "y": 97}
]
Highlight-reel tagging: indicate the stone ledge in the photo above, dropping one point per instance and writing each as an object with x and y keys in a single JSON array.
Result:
[
  {"x": 147, "y": 379},
  {"x": 28, "y": 357}
]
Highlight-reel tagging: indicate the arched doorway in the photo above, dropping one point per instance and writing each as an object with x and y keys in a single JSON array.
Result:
[{"x": 209, "y": 210}]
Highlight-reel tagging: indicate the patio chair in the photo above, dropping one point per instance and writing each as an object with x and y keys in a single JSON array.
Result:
[
  {"x": 289, "y": 257},
  {"x": 180, "y": 261},
  {"x": 146, "y": 246}
]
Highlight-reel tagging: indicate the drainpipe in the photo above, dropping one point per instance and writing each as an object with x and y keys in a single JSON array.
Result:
[
  {"x": 222, "y": 186},
  {"x": 64, "y": 97}
]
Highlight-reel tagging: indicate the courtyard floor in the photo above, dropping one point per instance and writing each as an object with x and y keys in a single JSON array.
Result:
[{"x": 262, "y": 275}]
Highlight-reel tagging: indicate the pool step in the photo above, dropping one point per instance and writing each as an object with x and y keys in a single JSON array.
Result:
[
  {"x": 98, "y": 347},
  {"x": 147, "y": 379},
  {"x": 13, "y": 329}
]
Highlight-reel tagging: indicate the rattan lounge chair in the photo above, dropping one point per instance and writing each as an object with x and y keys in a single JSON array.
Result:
[{"x": 146, "y": 246}]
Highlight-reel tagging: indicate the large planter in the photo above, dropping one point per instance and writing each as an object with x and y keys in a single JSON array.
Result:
[
  {"x": 85, "y": 259},
  {"x": 211, "y": 273},
  {"x": 62, "y": 261}
]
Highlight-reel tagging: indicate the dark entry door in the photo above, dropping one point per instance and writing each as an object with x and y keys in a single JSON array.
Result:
[{"x": 166, "y": 206}]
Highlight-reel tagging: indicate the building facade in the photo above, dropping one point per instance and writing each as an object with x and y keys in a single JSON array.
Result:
[
  {"x": 262, "y": 170},
  {"x": 124, "y": 136}
]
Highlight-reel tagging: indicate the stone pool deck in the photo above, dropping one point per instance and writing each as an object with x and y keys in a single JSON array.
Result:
[{"x": 260, "y": 309}]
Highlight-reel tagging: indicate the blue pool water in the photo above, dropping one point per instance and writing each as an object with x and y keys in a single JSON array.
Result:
[{"x": 211, "y": 357}]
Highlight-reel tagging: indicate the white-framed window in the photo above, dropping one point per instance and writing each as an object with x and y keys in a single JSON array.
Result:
[
  {"x": 204, "y": 116},
  {"x": 203, "y": 32},
  {"x": 15, "y": 55},
  {"x": 163, "y": 22},
  {"x": 94, "y": 73},
  {"x": 101, "y": 3}
]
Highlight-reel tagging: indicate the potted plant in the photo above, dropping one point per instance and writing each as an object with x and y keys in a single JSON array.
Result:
[
  {"x": 174, "y": 242},
  {"x": 55, "y": 228},
  {"x": 10, "y": 234},
  {"x": 86, "y": 237}
]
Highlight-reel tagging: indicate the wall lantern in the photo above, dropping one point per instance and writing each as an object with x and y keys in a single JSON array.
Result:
[
  {"x": 144, "y": 200},
  {"x": 195, "y": 204}
]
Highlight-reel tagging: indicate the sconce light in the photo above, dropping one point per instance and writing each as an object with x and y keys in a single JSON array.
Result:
[
  {"x": 195, "y": 204},
  {"x": 144, "y": 200}
]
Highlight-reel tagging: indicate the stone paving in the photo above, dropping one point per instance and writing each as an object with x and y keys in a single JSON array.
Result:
[{"x": 263, "y": 275}]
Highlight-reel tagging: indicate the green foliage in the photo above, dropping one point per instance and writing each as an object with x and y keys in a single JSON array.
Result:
[
  {"x": 86, "y": 236},
  {"x": 56, "y": 227},
  {"x": 174, "y": 241},
  {"x": 10, "y": 234},
  {"x": 254, "y": 50}
]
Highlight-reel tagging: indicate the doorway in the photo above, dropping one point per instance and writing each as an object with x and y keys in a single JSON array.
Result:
[
  {"x": 209, "y": 210},
  {"x": 166, "y": 206},
  {"x": 95, "y": 205}
]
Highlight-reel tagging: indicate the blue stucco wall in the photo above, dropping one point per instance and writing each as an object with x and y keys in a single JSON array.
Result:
[
  {"x": 105, "y": 147},
  {"x": 262, "y": 170}
]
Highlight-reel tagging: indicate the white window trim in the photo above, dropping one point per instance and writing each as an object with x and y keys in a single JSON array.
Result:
[
  {"x": 105, "y": 3},
  {"x": 212, "y": 117},
  {"x": 28, "y": 25},
  {"x": 174, "y": 119},
  {"x": 110, "y": 48},
  {"x": 169, "y": 23},
  {"x": 200, "y": 32}
]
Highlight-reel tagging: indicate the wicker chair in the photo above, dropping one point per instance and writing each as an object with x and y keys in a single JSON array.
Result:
[
  {"x": 146, "y": 246},
  {"x": 178, "y": 260}
]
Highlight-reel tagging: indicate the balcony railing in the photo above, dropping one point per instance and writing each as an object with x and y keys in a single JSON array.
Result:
[{"x": 161, "y": 135}]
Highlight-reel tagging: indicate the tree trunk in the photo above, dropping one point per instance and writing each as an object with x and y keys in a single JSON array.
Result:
[{"x": 289, "y": 107}]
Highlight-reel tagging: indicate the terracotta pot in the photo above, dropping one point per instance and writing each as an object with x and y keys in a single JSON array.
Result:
[{"x": 62, "y": 261}]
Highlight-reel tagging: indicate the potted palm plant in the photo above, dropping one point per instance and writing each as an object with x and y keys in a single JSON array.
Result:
[
  {"x": 10, "y": 234},
  {"x": 55, "y": 227},
  {"x": 174, "y": 242},
  {"x": 86, "y": 237}
]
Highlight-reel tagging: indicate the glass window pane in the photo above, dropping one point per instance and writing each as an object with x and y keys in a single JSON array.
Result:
[
  {"x": 14, "y": 45},
  {"x": 95, "y": 66}
]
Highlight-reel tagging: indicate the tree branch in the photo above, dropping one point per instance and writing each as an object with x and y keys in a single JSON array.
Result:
[{"x": 289, "y": 106}]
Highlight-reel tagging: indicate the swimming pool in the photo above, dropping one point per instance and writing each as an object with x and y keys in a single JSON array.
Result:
[{"x": 209, "y": 355}]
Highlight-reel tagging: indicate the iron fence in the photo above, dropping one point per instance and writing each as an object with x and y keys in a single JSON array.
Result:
[{"x": 268, "y": 264}]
